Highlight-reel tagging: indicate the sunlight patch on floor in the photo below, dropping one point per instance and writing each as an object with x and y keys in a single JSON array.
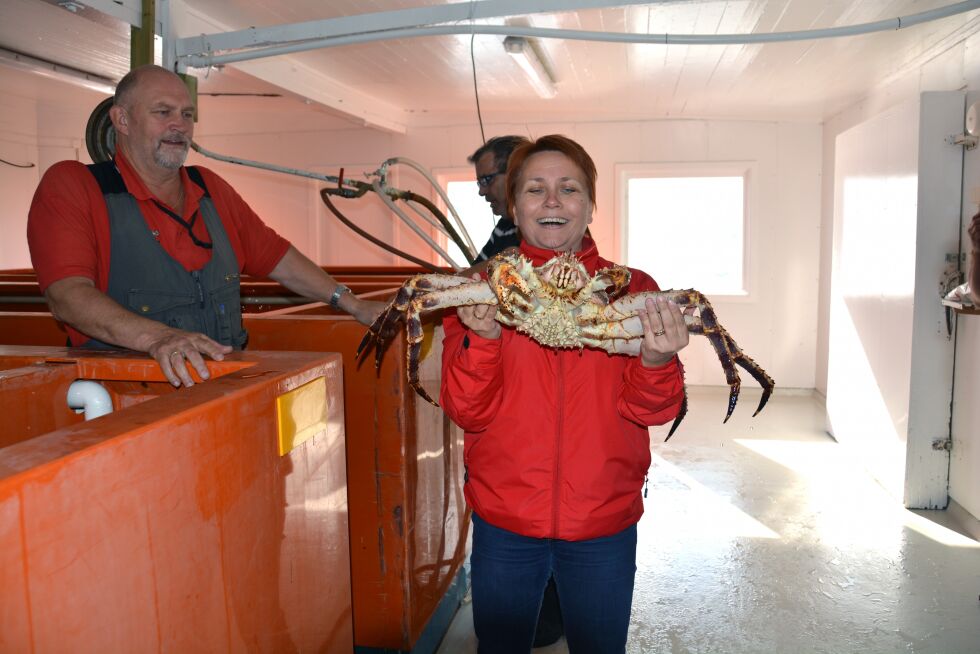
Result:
[{"x": 678, "y": 497}]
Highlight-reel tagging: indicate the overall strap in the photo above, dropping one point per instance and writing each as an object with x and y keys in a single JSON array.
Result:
[{"x": 111, "y": 182}]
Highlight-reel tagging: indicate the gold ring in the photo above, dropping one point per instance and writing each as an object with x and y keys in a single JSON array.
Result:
[{"x": 660, "y": 332}]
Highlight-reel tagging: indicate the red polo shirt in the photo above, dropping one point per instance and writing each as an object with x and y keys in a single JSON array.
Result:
[{"x": 68, "y": 226}]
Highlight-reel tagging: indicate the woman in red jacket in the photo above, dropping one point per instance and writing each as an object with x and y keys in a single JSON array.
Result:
[{"x": 557, "y": 446}]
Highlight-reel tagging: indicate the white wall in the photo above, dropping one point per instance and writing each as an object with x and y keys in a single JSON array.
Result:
[
  {"x": 870, "y": 339},
  {"x": 40, "y": 123},
  {"x": 18, "y": 144}
]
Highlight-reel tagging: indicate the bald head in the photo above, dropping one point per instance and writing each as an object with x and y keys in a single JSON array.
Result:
[{"x": 128, "y": 86}]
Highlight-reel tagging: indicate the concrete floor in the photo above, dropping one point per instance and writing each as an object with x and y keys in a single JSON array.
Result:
[{"x": 761, "y": 537}]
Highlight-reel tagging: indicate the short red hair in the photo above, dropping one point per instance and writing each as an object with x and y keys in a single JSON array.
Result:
[{"x": 549, "y": 143}]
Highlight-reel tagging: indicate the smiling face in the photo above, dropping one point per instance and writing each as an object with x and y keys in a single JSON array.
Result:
[
  {"x": 552, "y": 206},
  {"x": 155, "y": 123}
]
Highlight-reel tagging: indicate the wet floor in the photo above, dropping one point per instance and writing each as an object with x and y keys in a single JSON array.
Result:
[{"x": 760, "y": 536}]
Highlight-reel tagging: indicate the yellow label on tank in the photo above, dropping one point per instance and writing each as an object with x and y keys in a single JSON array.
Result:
[
  {"x": 428, "y": 333},
  {"x": 302, "y": 414}
]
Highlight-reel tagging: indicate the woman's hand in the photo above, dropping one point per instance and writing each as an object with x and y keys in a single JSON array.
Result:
[
  {"x": 479, "y": 318},
  {"x": 664, "y": 332}
]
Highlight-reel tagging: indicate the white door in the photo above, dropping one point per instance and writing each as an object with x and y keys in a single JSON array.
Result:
[{"x": 896, "y": 215}]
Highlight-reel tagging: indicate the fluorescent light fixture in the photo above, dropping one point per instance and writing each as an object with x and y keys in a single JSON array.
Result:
[
  {"x": 57, "y": 71},
  {"x": 526, "y": 56}
]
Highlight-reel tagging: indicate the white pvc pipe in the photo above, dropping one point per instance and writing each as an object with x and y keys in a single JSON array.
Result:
[
  {"x": 380, "y": 187},
  {"x": 408, "y": 221},
  {"x": 461, "y": 228},
  {"x": 330, "y": 179},
  {"x": 89, "y": 396},
  {"x": 204, "y": 60}
]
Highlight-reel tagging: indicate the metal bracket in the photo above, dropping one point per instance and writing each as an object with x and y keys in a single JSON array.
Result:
[
  {"x": 967, "y": 141},
  {"x": 942, "y": 444}
]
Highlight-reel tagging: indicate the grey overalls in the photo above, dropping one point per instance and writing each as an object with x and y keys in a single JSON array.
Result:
[{"x": 145, "y": 279}]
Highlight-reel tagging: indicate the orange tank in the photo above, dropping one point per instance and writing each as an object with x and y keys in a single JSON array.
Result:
[
  {"x": 408, "y": 518},
  {"x": 205, "y": 519}
]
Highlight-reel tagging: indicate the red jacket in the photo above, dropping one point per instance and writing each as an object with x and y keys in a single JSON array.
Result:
[{"x": 556, "y": 442}]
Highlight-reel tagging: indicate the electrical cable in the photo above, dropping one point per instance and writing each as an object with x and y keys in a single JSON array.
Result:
[
  {"x": 17, "y": 165},
  {"x": 476, "y": 90}
]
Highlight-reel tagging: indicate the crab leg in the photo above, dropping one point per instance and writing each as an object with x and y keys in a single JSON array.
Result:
[
  {"x": 463, "y": 294},
  {"x": 625, "y": 324},
  {"x": 628, "y": 328},
  {"x": 748, "y": 364},
  {"x": 383, "y": 328}
]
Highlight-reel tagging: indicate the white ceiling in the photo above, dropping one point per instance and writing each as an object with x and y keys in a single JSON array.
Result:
[{"x": 396, "y": 84}]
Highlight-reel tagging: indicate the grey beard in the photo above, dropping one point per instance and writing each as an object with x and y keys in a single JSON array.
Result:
[{"x": 172, "y": 162}]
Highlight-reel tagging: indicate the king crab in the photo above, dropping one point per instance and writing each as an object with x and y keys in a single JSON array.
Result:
[{"x": 558, "y": 305}]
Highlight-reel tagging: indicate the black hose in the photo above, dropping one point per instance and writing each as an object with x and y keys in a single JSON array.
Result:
[
  {"x": 441, "y": 217},
  {"x": 324, "y": 193}
]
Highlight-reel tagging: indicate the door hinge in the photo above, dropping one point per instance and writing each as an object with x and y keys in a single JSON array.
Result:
[{"x": 942, "y": 444}]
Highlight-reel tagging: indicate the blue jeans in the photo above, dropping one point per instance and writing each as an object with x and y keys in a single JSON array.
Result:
[{"x": 595, "y": 588}]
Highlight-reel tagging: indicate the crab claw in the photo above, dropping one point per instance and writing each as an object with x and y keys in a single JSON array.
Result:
[{"x": 680, "y": 416}]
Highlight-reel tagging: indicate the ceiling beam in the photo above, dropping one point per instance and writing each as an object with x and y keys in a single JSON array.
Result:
[
  {"x": 305, "y": 81},
  {"x": 128, "y": 11},
  {"x": 383, "y": 21}
]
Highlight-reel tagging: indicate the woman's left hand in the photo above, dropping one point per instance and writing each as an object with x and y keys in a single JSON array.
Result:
[{"x": 664, "y": 332}]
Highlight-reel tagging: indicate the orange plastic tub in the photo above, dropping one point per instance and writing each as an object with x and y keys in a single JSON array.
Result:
[
  {"x": 174, "y": 523},
  {"x": 408, "y": 519}
]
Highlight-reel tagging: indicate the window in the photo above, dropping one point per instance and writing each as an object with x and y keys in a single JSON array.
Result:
[
  {"x": 473, "y": 210},
  {"x": 685, "y": 224}
]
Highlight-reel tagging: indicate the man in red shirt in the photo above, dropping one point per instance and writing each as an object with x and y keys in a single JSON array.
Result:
[{"x": 145, "y": 254}]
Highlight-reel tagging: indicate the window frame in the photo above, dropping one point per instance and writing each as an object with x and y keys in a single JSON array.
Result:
[
  {"x": 747, "y": 170},
  {"x": 454, "y": 174}
]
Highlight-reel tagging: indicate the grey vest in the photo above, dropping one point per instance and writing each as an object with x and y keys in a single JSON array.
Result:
[{"x": 145, "y": 279}]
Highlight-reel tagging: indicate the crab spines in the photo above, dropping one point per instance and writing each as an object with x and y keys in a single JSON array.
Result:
[
  {"x": 616, "y": 277},
  {"x": 765, "y": 381},
  {"x": 385, "y": 325}
]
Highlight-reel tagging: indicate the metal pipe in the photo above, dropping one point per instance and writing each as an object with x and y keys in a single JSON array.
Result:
[
  {"x": 204, "y": 60},
  {"x": 267, "y": 166},
  {"x": 23, "y": 299}
]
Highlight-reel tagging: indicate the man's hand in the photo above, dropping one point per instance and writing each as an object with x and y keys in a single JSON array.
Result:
[
  {"x": 174, "y": 349},
  {"x": 76, "y": 301},
  {"x": 365, "y": 311}
]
